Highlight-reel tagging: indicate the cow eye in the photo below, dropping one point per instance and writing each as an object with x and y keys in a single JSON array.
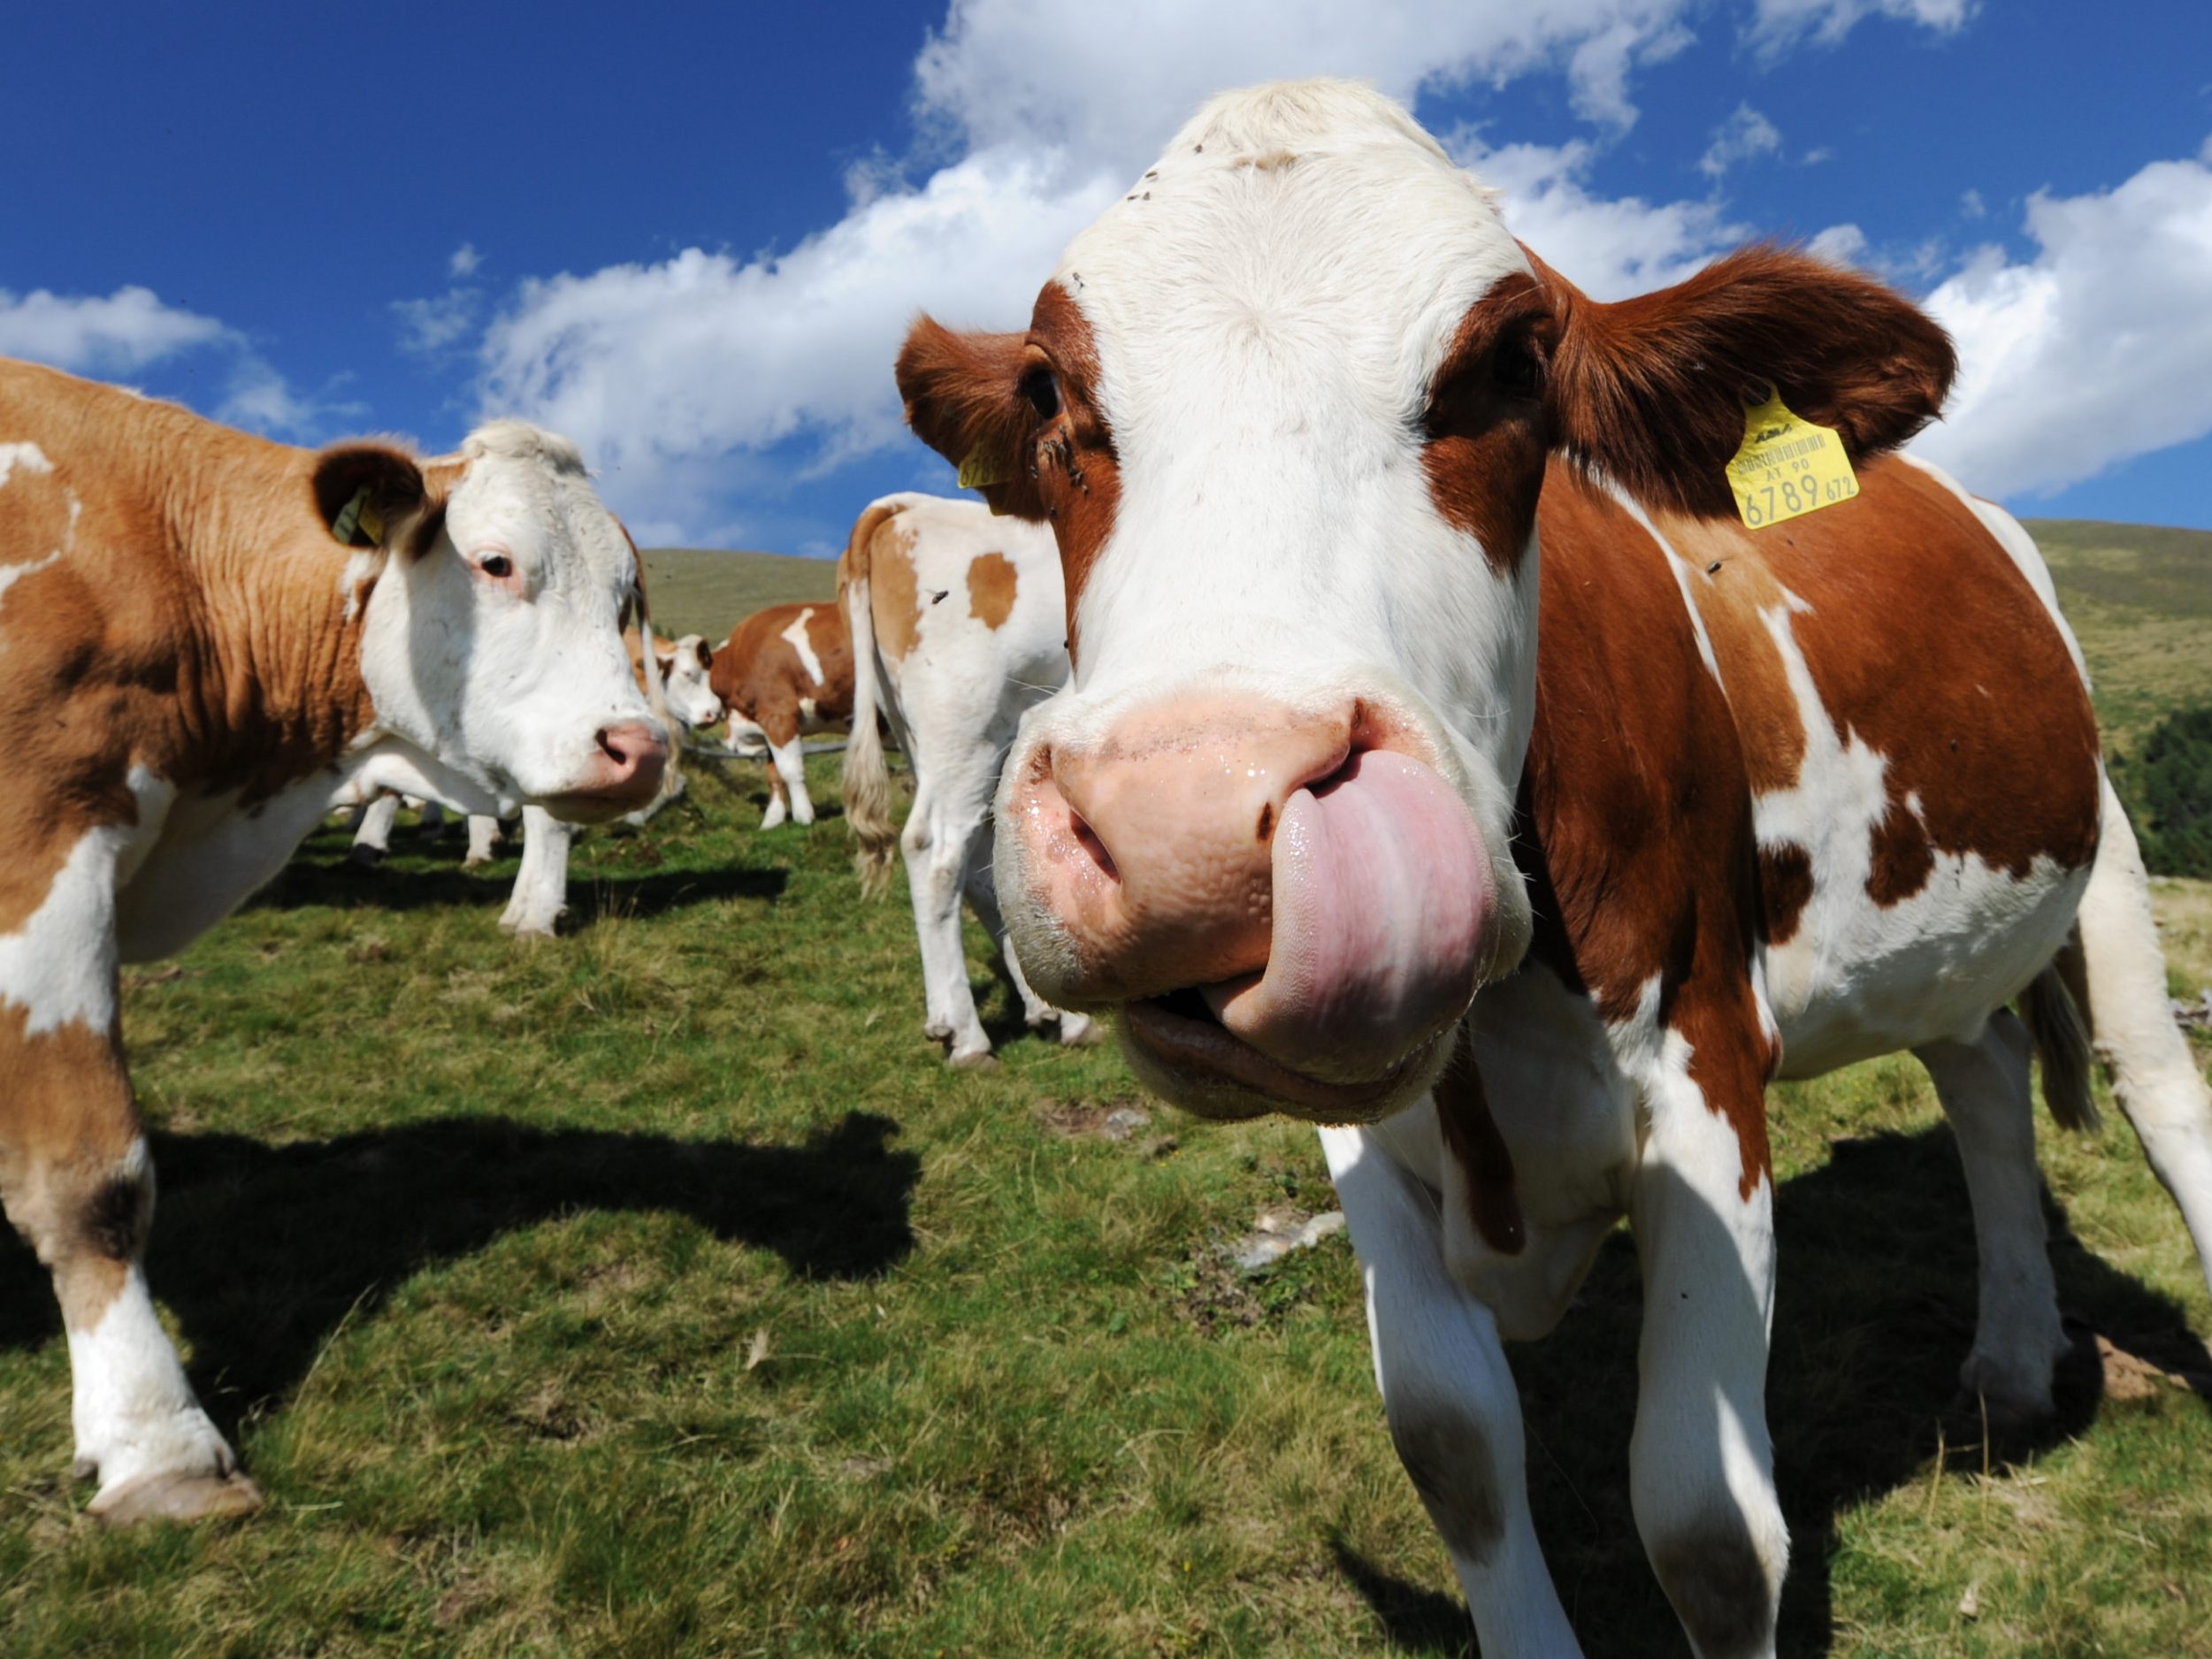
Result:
[
  {"x": 1513, "y": 365},
  {"x": 498, "y": 566},
  {"x": 1043, "y": 392}
]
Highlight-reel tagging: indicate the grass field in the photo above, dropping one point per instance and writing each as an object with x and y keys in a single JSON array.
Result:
[
  {"x": 657, "y": 1291},
  {"x": 702, "y": 593}
]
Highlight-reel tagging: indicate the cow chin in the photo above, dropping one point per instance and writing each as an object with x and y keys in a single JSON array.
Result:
[{"x": 1195, "y": 1065}]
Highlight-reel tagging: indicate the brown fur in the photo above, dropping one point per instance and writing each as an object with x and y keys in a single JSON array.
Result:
[
  {"x": 758, "y": 674},
  {"x": 991, "y": 584}
]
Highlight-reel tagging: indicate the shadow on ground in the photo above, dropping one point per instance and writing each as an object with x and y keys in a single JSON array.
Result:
[
  {"x": 263, "y": 1251},
  {"x": 1874, "y": 1314}
]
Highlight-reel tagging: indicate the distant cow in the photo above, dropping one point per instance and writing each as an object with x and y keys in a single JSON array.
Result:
[
  {"x": 958, "y": 625},
  {"x": 1531, "y": 915},
  {"x": 784, "y": 673},
  {"x": 540, "y": 895},
  {"x": 207, "y": 642}
]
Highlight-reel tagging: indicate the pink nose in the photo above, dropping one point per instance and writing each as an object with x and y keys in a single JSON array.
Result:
[
  {"x": 1325, "y": 894},
  {"x": 626, "y": 771},
  {"x": 1154, "y": 848}
]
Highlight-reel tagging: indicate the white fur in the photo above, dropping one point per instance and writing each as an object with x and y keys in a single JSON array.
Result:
[
  {"x": 540, "y": 897},
  {"x": 30, "y": 458},
  {"x": 795, "y": 636},
  {"x": 685, "y": 687}
]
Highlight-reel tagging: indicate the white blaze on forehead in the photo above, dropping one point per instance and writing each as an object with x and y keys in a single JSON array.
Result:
[
  {"x": 795, "y": 636},
  {"x": 1269, "y": 309}
]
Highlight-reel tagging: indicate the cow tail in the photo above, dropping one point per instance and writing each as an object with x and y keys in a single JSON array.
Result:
[
  {"x": 866, "y": 779},
  {"x": 2054, "y": 1020}
]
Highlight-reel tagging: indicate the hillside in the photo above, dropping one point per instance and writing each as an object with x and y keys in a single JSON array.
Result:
[
  {"x": 699, "y": 592},
  {"x": 2139, "y": 599}
]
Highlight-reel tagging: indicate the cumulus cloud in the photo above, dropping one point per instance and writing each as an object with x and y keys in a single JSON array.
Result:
[
  {"x": 1743, "y": 136},
  {"x": 2096, "y": 349},
  {"x": 464, "y": 260},
  {"x": 118, "y": 333},
  {"x": 1777, "y": 25}
]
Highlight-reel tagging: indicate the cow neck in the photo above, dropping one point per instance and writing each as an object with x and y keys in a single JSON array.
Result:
[{"x": 270, "y": 684}]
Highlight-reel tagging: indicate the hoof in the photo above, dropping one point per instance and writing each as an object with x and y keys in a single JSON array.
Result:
[
  {"x": 1080, "y": 1031},
  {"x": 178, "y": 1498},
  {"x": 529, "y": 932},
  {"x": 476, "y": 864},
  {"x": 366, "y": 858},
  {"x": 2010, "y": 1415},
  {"x": 985, "y": 1061}
]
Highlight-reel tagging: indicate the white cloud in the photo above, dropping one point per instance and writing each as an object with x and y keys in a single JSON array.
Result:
[
  {"x": 2097, "y": 349},
  {"x": 1743, "y": 136},
  {"x": 1778, "y": 24},
  {"x": 1972, "y": 206},
  {"x": 429, "y": 326},
  {"x": 464, "y": 260},
  {"x": 1840, "y": 245},
  {"x": 120, "y": 333}
]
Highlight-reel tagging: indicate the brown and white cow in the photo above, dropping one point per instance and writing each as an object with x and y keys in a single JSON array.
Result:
[
  {"x": 784, "y": 673},
  {"x": 192, "y": 673},
  {"x": 1445, "y": 762},
  {"x": 957, "y": 620}
]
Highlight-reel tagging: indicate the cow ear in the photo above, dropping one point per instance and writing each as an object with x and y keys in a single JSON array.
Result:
[
  {"x": 963, "y": 396},
  {"x": 706, "y": 655},
  {"x": 1652, "y": 391},
  {"x": 364, "y": 492}
]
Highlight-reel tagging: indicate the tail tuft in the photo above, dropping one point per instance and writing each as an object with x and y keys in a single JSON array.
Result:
[{"x": 2062, "y": 1046}]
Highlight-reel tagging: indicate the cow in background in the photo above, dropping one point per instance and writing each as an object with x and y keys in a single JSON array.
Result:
[
  {"x": 786, "y": 674},
  {"x": 957, "y": 623},
  {"x": 208, "y": 641}
]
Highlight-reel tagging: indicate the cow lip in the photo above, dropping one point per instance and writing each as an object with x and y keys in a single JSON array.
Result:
[{"x": 1208, "y": 1056}]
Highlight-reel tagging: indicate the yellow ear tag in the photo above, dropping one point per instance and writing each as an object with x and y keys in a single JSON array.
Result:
[
  {"x": 980, "y": 470},
  {"x": 371, "y": 521},
  {"x": 349, "y": 515},
  {"x": 1787, "y": 467}
]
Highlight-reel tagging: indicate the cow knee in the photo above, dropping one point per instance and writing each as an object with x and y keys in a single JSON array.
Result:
[
  {"x": 1447, "y": 1454},
  {"x": 1723, "y": 1573}
]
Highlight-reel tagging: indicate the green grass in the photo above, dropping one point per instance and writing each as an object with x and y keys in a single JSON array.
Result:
[
  {"x": 658, "y": 1292},
  {"x": 699, "y": 592},
  {"x": 2139, "y": 599}
]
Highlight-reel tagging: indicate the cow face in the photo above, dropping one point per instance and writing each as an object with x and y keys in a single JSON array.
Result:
[
  {"x": 1288, "y": 407},
  {"x": 493, "y": 639},
  {"x": 684, "y": 683}
]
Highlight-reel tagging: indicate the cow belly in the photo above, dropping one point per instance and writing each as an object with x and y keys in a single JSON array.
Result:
[{"x": 1857, "y": 980}]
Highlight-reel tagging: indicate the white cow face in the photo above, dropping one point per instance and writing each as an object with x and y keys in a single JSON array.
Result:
[
  {"x": 1290, "y": 408},
  {"x": 684, "y": 683},
  {"x": 493, "y": 640}
]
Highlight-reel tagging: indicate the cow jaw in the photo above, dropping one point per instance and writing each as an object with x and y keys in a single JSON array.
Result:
[{"x": 520, "y": 684}]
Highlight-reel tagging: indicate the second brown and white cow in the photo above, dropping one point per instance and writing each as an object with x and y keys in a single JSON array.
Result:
[
  {"x": 956, "y": 619},
  {"x": 207, "y": 642},
  {"x": 784, "y": 673},
  {"x": 1444, "y": 761}
]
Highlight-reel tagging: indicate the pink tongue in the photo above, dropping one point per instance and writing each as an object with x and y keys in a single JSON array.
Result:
[{"x": 1382, "y": 898}]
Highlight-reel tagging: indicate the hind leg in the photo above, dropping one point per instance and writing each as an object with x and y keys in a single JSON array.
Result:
[
  {"x": 374, "y": 839},
  {"x": 2155, "y": 1076},
  {"x": 485, "y": 835},
  {"x": 779, "y": 808},
  {"x": 1985, "y": 1090},
  {"x": 790, "y": 760},
  {"x": 935, "y": 843}
]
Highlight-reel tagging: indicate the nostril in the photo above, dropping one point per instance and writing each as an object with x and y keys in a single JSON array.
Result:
[{"x": 1087, "y": 839}]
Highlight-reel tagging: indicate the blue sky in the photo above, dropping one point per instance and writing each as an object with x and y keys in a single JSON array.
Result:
[{"x": 692, "y": 237}]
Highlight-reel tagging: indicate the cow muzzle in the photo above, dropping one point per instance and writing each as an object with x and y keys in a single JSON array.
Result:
[
  {"x": 623, "y": 775},
  {"x": 1291, "y": 909}
]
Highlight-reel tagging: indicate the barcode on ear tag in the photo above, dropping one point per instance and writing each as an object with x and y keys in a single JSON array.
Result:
[{"x": 1787, "y": 467}]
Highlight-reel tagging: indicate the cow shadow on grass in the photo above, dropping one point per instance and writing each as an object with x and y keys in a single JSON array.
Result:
[
  {"x": 1874, "y": 1314},
  {"x": 263, "y": 1251}
]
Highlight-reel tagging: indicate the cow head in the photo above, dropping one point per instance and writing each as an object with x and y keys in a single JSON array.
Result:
[
  {"x": 685, "y": 668},
  {"x": 1288, "y": 407},
  {"x": 492, "y": 639}
]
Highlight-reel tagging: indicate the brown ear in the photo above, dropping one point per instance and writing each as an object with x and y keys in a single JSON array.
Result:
[
  {"x": 1651, "y": 391},
  {"x": 963, "y": 394},
  {"x": 387, "y": 482}
]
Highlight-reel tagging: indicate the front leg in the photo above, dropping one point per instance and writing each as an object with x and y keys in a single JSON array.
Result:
[
  {"x": 540, "y": 897},
  {"x": 1448, "y": 1395},
  {"x": 1702, "y": 1465},
  {"x": 789, "y": 760}
]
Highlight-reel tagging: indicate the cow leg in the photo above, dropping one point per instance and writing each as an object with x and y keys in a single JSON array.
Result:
[
  {"x": 935, "y": 843},
  {"x": 1701, "y": 1463},
  {"x": 485, "y": 835},
  {"x": 433, "y": 822},
  {"x": 77, "y": 1182},
  {"x": 1449, "y": 1397},
  {"x": 1076, "y": 1030},
  {"x": 540, "y": 897},
  {"x": 2155, "y": 1076},
  {"x": 789, "y": 760},
  {"x": 2018, "y": 1339},
  {"x": 779, "y": 808},
  {"x": 374, "y": 839}
]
